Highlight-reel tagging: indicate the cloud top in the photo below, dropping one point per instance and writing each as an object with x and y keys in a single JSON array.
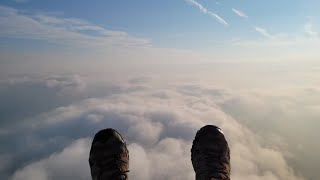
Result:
[{"x": 158, "y": 130}]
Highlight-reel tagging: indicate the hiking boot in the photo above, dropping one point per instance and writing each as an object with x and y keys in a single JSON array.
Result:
[
  {"x": 210, "y": 154},
  {"x": 109, "y": 156}
]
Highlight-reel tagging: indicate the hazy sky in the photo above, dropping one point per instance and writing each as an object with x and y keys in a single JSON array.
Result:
[{"x": 157, "y": 71}]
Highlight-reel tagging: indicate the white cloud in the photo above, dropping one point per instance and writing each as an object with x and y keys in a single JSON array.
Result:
[
  {"x": 198, "y": 5},
  {"x": 67, "y": 31},
  {"x": 71, "y": 163},
  {"x": 64, "y": 84},
  {"x": 309, "y": 30},
  {"x": 239, "y": 13},
  {"x": 158, "y": 129},
  {"x": 206, "y": 11},
  {"x": 218, "y": 18},
  {"x": 263, "y": 32}
]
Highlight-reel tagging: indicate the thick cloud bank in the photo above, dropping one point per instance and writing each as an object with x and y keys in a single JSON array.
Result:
[{"x": 158, "y": 125}]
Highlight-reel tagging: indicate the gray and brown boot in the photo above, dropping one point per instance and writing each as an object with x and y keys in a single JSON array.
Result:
[
  {"x": 210, "y": 154},
  {"x": 109, "y": 156}
]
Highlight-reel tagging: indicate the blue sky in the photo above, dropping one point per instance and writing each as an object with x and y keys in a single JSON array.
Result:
[{"x": 180, "y": 23}]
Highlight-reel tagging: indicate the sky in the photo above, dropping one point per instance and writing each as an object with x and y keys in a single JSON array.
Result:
[
  {"x": 209, "y": 27},
  {"x": 157, "y": 71}
]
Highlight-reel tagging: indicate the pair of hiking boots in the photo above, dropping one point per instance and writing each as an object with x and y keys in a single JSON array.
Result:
[{"x": 210, "y": 155}]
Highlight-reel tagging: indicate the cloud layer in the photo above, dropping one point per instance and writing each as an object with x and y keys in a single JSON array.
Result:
[{"x": 159, "y": 126}]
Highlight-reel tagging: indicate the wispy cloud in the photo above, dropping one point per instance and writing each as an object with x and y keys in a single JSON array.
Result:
[
  {"x": 20, "y": 1},
  {"x": 239, "y": 13},
  {"x": 206, "y": 11},
  {"x": 218, "y": 18},
  {"x": 69, "y": 31},
  {"x": 309, "y": 30},
  {"x": 263, "y": 32}
]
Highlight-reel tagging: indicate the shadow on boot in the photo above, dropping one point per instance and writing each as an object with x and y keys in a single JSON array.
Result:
[
  {"x": 210, "y": 154},
  {"x": 109, "y": 156}
]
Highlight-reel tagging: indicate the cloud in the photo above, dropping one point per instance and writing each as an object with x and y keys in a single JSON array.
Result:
[
  {"x": 66, "y": 84},
  {"x": 158, "y": 130},
  {"x": 139, "y": 80},
  {"x": 263, "y": 32},
  {"x": 308, "y": 28},
  {"x": 218, "y": 18},
  {"x": 206, "y": 11},
  {"x": 273, "y": 111},
  {"x": 239, "y": 13},
  {"x": 63, "y": 84},
  {"x": 20, "y": 1},
  {"x": 66, "y": 31},
  {"x": 68, "y": 164},
  {"x": 198, "y": 5}
]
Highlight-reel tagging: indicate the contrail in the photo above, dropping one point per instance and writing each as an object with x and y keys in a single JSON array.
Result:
[
  {"x": 263, "y": 32},
  {"x": 206, "y": 11},
  {"x": 239, "y": 13}
]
